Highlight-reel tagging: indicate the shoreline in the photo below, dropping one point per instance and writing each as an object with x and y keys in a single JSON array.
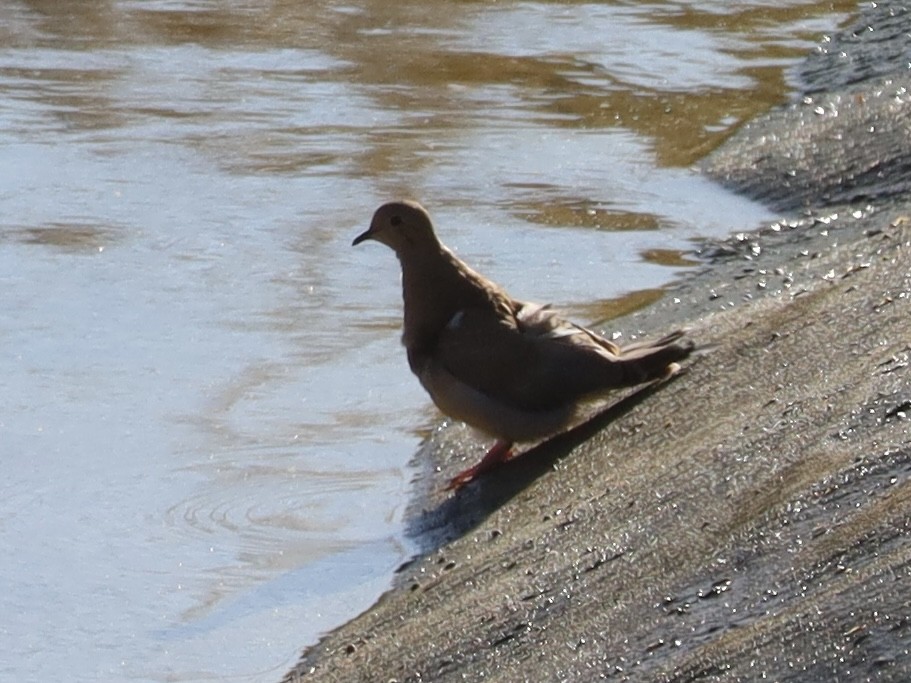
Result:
[{"x": 750, "y": 518}]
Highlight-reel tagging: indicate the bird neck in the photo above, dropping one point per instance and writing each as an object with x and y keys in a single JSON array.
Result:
[{"x": 434, "y": 288}]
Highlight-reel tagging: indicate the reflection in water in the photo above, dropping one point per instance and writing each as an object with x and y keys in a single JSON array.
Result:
[
  {"x": 583, "y": 213},
  {"x": 67, "y": 237},
  {"x": 206, "y": 413},
  {"x": 669, "y": 257}
]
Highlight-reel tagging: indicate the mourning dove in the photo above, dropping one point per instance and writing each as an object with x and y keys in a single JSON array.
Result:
[{"x": 513, "y": 370}]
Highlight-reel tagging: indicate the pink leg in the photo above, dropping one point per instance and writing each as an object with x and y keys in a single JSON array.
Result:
[{"x": 499, "y": 453}]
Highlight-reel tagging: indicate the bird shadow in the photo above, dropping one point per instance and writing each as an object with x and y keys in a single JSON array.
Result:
[{"x": 445, "y": 520}]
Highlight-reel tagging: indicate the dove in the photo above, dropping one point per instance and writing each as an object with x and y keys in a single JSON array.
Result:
[{"x": 513, "y": 370}]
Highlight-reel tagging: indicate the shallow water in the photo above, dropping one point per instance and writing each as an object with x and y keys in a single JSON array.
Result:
[{"x": 206, "y": 417}]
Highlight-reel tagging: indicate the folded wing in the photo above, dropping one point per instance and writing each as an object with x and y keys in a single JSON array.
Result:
[{"x": 532, "y": 359}]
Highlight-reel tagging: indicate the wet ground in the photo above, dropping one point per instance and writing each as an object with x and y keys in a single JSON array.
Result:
[{"x": 206, "y": 421}]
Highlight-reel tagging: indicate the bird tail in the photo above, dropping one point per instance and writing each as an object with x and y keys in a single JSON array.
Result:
[{"x": 648, "y": 360}]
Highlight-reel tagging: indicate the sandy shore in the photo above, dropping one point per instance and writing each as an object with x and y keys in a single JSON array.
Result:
[{"x": 751, "y": 518}]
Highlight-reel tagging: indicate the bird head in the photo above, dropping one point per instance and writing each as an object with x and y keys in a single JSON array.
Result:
[{"x": 403, "y": 226}]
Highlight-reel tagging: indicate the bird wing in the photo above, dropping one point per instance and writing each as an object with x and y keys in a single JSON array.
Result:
[{"x": 531, "y": 359}]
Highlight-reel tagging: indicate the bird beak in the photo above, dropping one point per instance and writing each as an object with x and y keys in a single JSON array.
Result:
[{"x": 367, "y": 235}]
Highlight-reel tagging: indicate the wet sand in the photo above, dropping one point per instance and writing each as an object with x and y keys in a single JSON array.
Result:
[{"x": 749, "y": 519}]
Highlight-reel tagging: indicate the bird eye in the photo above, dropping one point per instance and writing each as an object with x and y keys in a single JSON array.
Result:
[{"x": 395, "y": 220}]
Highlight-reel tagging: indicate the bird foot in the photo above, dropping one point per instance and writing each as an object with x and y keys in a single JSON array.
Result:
[{"x": 499, "y": 453}]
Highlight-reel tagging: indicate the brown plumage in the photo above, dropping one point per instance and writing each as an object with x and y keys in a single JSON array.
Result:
[{"x": 511, "y": 369}]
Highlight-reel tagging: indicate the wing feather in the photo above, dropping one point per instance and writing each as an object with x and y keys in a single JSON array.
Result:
[{"x": 532, "y": 359}]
